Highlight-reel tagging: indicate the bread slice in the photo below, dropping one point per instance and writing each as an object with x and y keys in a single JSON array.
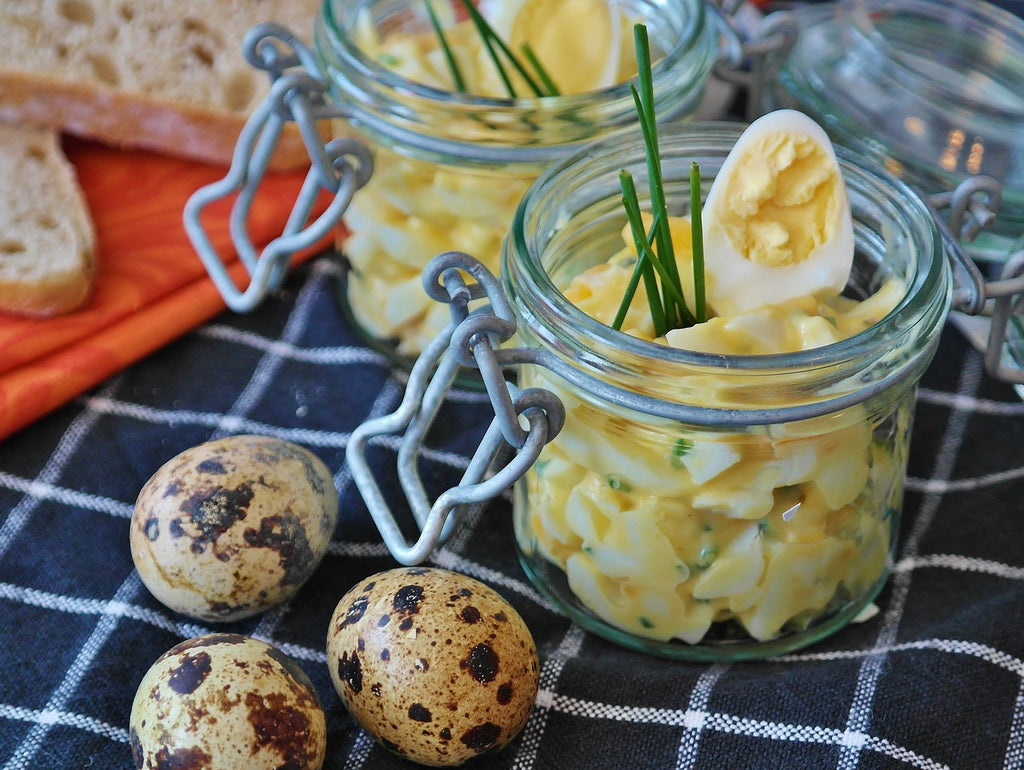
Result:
[
  {"x": 164, "y": 75},
  {"x": 47, "y": 243}
]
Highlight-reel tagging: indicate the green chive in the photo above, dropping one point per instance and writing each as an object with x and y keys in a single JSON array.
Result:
[
  {"x": 492, "y": 39},
  {"x": 697, "y": 238},
  {"x": 655, "y": 251},
  {"x": 630, "y": 203},
  {"x": 644, "y": 266},
  {"x": 542, "y": 74},
  {"x": 453, "y": 65},
  {"x": 496, "y": 49},
  {"x": 678, "y": 315}
]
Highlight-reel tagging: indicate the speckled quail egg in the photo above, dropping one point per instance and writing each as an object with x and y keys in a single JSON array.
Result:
[
  {"x": 227, "y": 701},
  {"x": 233, "y": 526},
  {"x": 436, "y": 666}
]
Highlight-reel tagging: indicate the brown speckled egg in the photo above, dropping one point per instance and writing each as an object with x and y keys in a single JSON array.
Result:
[
  {"x": 226, "y": 700},
  {"x": 433, "y": 664},
  {"x": 233, "y": 526}
]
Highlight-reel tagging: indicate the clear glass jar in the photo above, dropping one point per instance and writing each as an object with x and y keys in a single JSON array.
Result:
[
  {"x": 703, "y": 506},
  {"x": 932, "y": 89},
  {"x": 450, "y": 168}
]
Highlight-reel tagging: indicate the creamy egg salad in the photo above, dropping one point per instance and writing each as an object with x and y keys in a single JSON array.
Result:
[
  {"x": 664, "y": 530},
  {"x": 413, "y": 209}
]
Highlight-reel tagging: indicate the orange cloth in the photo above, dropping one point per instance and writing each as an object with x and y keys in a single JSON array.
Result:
[{"x": 151, "y": 286}]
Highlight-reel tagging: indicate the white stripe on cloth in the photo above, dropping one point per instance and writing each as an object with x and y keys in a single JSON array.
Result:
[
  {"x": 360, "y": 751},
  {"x": 942, "y": 486},
  {"x": 959, "y": 563},
  {"x": 69, "y": 444},
  {"x": 65, "y": 718},
  {"x": 862, "y": 705},
  {"x": 689, "y": 744},
  {"x": 1014, "y": 759},
  {"x": 952, "y": 646},
  {"x": 336, "y": 356},
  {"x": 734, "y": 725},
  {"x": 25, "y": 755},
  {"x": 41, "y": 490},
  {"x": 313, "y": 438},
  {"x": 178, "y": 417},
  {"x": 969, "y": 403},
  {"x": 271, "y": 362},
  {"x": 550, "y": 672},
  {"x": 448, "y": 560}
]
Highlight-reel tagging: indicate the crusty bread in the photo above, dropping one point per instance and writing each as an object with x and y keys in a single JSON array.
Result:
[
  {"x": 158, "y": 74},
  {"x": 47, "y": 244}
]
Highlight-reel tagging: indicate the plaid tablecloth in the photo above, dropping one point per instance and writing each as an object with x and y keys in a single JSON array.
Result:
[{"x": 935, "y": 679}]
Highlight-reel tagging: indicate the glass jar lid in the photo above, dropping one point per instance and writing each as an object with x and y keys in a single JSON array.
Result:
[{"x": 931, "y": 89}]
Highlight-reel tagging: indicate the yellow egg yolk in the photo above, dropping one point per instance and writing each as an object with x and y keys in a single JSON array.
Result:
[{"x": 781, "y": 199}]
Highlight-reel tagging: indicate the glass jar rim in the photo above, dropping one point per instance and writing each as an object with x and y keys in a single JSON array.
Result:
[
  {"x": 443, "y": 125},
  {"x": 565, "y": 327},
  {"x": 367, "y": 67}
]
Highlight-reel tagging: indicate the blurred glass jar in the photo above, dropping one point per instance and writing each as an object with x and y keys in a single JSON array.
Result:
[
  {"x": 931, "y": 89},
  {"x": 704, "y": 506},
  {"x": 450, "y": 168}
]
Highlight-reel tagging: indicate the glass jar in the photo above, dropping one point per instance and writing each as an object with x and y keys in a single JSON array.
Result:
[
  {"x": 932, "y": 89},
  {"x": 715, "y": 507},
  {"x": 450, "y": 168}
]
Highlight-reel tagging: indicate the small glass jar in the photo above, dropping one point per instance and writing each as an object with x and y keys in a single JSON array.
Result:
[
  {"x": 932, "y": 89},
  {"x": 715, "y": 507},
  {"x": 450, "y": 168}
]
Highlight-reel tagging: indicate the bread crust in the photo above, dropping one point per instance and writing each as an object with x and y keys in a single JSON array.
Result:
[
  {"x": 163, "y": 76},
  {"x": 47, "y": 242},
  {"x": 123, "y": 119}
]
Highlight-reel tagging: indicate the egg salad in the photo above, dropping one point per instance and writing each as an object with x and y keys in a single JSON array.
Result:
[
  {"x": 414, "y": 208},
  {"x": 669, "y": 531}
]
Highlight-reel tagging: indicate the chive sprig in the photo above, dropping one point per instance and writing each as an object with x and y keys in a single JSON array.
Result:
[
  {"x": 656, "y": 261},
  {"x": 539, "y": 81}
]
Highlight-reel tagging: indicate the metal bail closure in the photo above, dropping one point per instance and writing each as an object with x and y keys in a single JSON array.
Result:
[
  {"x": 297, "y": 94},
  {"x": 973, "y": 206},
  {"x": 754, "y": 49},
  {"x": 469, "y": 340}
]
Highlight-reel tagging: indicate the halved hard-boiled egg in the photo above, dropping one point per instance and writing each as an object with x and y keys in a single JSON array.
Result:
[{"x": 777, "y": 221}]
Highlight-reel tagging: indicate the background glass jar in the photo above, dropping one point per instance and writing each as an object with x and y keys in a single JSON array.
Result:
[
  {"x": 704, "y": 506},
  {"x": 450, "y": 168},
  {"x": 932, "y": 89}
]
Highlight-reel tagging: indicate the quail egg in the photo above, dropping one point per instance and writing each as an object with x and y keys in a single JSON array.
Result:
[
  {"x": 233, "y": 526},
  {"x": 436, "y": 666},
  {"x": 227, "y": 701}
]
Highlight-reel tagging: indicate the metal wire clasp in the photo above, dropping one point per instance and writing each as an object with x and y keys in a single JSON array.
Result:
[
  {"x": 754, "y": 47},
  {"x": 471, "y": 339},
  {"x": 297, "y": 94},
  {"x": 973, "y": 206}
]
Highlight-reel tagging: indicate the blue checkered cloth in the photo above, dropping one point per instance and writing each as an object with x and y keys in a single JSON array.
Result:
[{"x": 934, "y": 680}]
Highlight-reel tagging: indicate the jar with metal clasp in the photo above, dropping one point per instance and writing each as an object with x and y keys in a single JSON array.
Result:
[{"x": 693, "y": 505}]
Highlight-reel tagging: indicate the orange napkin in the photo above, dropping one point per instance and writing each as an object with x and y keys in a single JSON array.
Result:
[{"x": 151, "y": 286}]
